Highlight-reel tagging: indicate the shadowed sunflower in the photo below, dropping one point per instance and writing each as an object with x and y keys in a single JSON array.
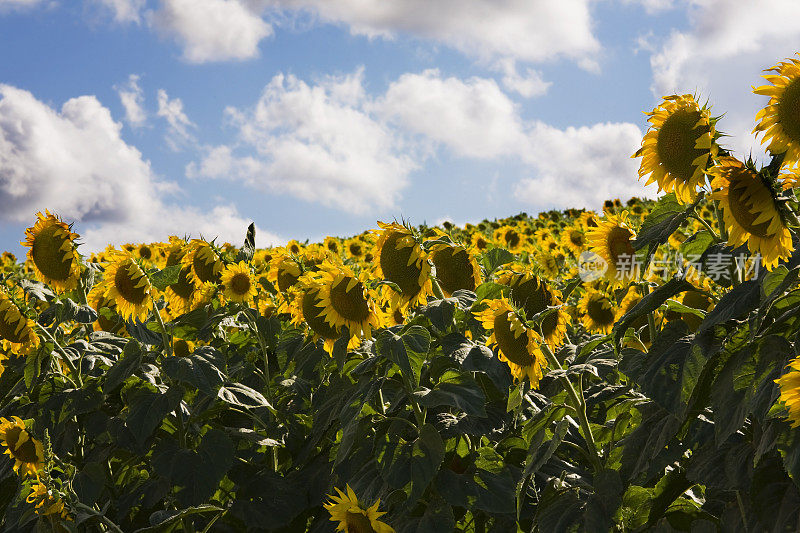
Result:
[
  {"x": 611, "y": 239},
  {"x": 456, "y": 268},
  {"x": 750, "y": 211},
  {"x": 97, "y": 300},
  {"x": 26, "y": 451},
  {"x": 678, "y": 147},
  {"x": 46, "y": 503},
  {"x": 238, "y": 284},
  {"x": 16, "y": 330},
  {"x": 128, "y": 287},
  {"x": 353, "y": 517},
  {"x": 780, "y": 119},
  {"x": 306, "y": 308},
  {"x": 180, "y": 295},
  {"x": 789, "y": 384},
  {"x": 517, "y": 345},
  {"x": 204, "y": 261},
  {"x": 532, "y": 295},
  {"x": 53, "y": 253},
  {"x": 597, "y": 311},
  {"x": 402, "y": 261},
  {"x": 284, "y": 272},
  {"x": 345, "y": 301}
]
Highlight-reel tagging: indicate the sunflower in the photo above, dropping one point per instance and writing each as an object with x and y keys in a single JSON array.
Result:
[
  {"x": 333, "y": 245},
  {"x": 456, "y": 268},
  {"x": 353, "y": 517},
  {"x": 53, "y": 253},
  {"x": 479, "y": 242},
  {"x": 597, "y": 311},
  {"x": 789, "y": 384},
  {"x": 402, "y": 261},
  {"x": 751, "y": 212},
  {"x": 180, "y": 295},
  {"x": 238, "y": 283},
  {"x": 533, "y": 296},
  {"x": 182, "y": 347},
  {"x": 355, "y": 248},
  {"x": 46, "y": 503},
  {"x": 16, "y": 330},
  {"x": 549, "y": 264},
  {"x": 611, "y": 239},
  {"x": 26, "y": 451},
  {"x": 284, "y": 271},
  {"x": 509, "y": 237},
  {"x": 97, "y": 300},
  {"x": 306, "y": 308},
  {"x": 204, "y": 261},
  {"x": 345, "y": 301},
  {"x": 128, "y": 287},
  {"x": 517, "y": 345},
  {"x": 678, "y": 147},
  {"x": 780, "y": 119}
]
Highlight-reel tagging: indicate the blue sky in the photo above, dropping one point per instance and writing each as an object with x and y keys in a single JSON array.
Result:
[{"x": 137, "y": 119}]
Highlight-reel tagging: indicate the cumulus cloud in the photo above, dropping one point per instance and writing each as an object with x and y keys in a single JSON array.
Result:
[
  {"x": 212, "y": 30},
  {"x": 75, "y": 163},
  {"x": 178, "y": 123},
  {"x": 124, "y": 11},
  {"x": 721, "y": 55},
  {"x": 132, "y": 98},
  {"x": 529, "y": 84},
  {"x": 320, "y": 143}
]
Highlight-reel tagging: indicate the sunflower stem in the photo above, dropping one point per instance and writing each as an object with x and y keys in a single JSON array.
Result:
[
  {"x": 72, "y": 369},
  {"x": 164, "y": 336},
  {"x": 437, "y": 289},
  {"x": 723, "y": 231},
  {"x": 707, "y": 226},
  {"x": 579, "y": 404}
]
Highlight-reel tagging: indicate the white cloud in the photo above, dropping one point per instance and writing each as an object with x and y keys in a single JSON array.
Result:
[
  {"x": 531, "y": 31},
  {"x": 528, "y": 85},
  {"x": 124, "y": 11},
  {"x": 320, "y": 143},
  {"x": 652, "y": 6},
  {"x": 178, "y": 123},
  {"x": 75, "y": 163},
  {"x": 722, "y": 55},
  {"x": 132, "y": 98},
  {"x": 212, "y": 30}
]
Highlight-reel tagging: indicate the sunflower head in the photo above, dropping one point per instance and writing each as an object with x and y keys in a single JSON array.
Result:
[
  {"x": 345, "y": 301},
  {"x": 181, "y": 295},
  {"x": 307, "y": 307},
  {"x": 456, "y": 268},
  {"x": 354, "y": 517},
  {"x": 780, "y": 119},
  {"x": 479, "y": 242},
  {"x": 597, "y": 311},
  {"x": 128, "y": 287},
  {"x": 518, "y": 346},
  {"x": 45, "y": 502},
  {"x": 53, "y": 253},
  {"x": 27, "y": 452},
  {"x": 204, "y": 261},
  {"x": 750, "y": 211},
  {"x": 574, "y": 239},
  {"x": 284, "y": 272},
  {"x": 402, "y": 261},
  {"x": 678, "y": 147},
  {"x": 612, "y": 240},
  {"x": 97, "y": 300},
  {"x": 509, "y": 237},
  {"x": 16, "y": 330},
  {"x": 533, "y": 296},
  {"x": 238, "y": 283},
  {"x": 355, "y": 248}
]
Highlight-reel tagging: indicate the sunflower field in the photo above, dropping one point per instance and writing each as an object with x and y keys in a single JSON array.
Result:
[{"x": 625, "y": 371}]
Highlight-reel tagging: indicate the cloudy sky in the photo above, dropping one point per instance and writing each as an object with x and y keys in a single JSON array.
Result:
[{"x": 136, "y": 119}]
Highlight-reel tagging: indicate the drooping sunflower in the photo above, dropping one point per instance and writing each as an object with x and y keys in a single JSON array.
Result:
[
  {"x": 456, "y": 268},
  {"x": 345, "y": 301},
  {"x": 97, "y": 300},
  {"x": 53, "y": 252},
  {"x": 780, "y": 119},
  {"x": 16, "y": 330},
  {"x": 180, "y": 295},
  {"x": 750, "y": 211},
  {"x": 597, "y": 311},
  {"x": 204, "y": 261},
  {"x": 45, "y": 502},
  {"x": 306, "y": 308},
  {"x": 353, "y": 517},
  {"x": 533, "y": 295},
  {"x": 611, "y": 239},
  {"x": 517, "y": 345},
  {"x": 402, "y": 261},
  {"x": 128, "y": 287},
  {"x": 238, "y": 283},
  {"x": 26, "y": 451},
  {"x": 678, "y": 147},
  {"x": 284, "y": 271}
]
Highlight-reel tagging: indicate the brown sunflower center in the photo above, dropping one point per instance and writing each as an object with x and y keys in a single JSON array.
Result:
[
  {"x": 619, "y": 243},
  {"x": 514, "y": 348},
  {"x": 480, "y": 243},
  {"x": 394, "y": 264},
  {"x": 357, "y": 523},
  {"x": 675, "y": 144},
  {"x": 203, "y": 264},
  {"x": 240, "y": 283},
  {"x": 126, "y": 284},
  {"x": 350, "y": 304},
  {"x": 577, "y": 238},
  {"x": 145, "y": 252},
  {"x": 789, "y": 110},
  {"x": 185, "y": 286},
  {"x": 355, "y": 249},
  {"x": 534, "y": 297},
  {"x": 288, "y": 274},
  {"x": 512, "y": 238},
  {"x": 333, "y": 246},
  {"x": 8, "y": 329},
  {"x": 738, "y": 204},
  {"x": 600, "y": 311},
  {"x": 313, "y": 316},
  {"x": 25, "y": 452},
  {"x": 181, "y": 348},
  {"x": 48, "y": 256},
  {"x": 454, "y": 269}
]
